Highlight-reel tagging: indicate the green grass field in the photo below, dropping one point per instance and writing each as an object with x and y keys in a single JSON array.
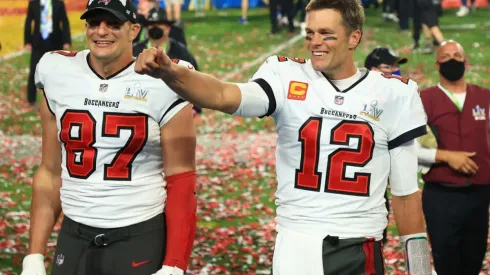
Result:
[{"x": 235, "y": 156}]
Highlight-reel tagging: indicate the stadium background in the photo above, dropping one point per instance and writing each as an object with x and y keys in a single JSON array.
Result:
[{"x": 235, "y": 156}]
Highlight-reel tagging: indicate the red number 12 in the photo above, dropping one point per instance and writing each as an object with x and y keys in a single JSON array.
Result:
[{"x": 309, "y": 178}]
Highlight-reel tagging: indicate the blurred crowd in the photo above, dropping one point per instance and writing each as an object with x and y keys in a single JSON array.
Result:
[{"x": 164, "y": 27}]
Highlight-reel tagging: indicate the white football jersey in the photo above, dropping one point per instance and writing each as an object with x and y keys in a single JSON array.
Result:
[
  {"x": 109, "y": 129},
  {"x": 333, "y": 147}
]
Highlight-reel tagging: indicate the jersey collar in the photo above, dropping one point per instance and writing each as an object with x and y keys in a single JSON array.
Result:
[
  {"x": 111, "y": 76},
  {"x": 351, "y": 86}
]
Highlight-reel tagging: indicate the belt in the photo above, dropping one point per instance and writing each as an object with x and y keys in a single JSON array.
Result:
[{"x": 104, "y": 236}]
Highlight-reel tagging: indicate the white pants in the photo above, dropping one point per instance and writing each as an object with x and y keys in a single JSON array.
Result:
[{"x": 296, "y": 253}]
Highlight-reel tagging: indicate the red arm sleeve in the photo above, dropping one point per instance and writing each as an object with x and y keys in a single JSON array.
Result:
[{"x": 180, "y": 218}]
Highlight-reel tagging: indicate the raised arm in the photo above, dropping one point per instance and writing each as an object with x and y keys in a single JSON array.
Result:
[{"x": 198, "y": 88}]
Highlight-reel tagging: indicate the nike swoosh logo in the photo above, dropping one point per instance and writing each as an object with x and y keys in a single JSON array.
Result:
[{"x": 136, "y": 264}]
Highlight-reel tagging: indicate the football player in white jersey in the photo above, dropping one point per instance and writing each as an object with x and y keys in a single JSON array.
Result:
[
  {"x": 342, "y": 132},
  {"x": 118, "y": 158}
]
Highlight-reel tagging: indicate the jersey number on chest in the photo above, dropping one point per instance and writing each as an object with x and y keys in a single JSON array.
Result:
[
  {"x": 81, "y": 156},
  {"x": 309, "y": 178}
]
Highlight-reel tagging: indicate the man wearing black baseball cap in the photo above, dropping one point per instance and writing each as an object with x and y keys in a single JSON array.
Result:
[
  {"x": 158, "y": 27},
  {"x": 123, "y": 10},
  {"x": 384, "y": 60},
  {"x": 129, "y": 207}
]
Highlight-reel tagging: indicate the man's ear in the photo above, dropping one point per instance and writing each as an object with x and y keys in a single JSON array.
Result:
[
  {"x": 436, "y": 65},
  {"x": 466, "y": 63},
  {"x": 354, "y": 39},
  {"x": 135, "y": 29}
]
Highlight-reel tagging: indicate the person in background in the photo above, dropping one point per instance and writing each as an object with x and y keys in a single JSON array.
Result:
[
  {"x": 51, "y": 32},
  {"x": 456, "y": 193},
  {"x": 286, "y": 11},
  {"x": 464, "y": 10},
  {"x": 144, "y": 7},
  {"x": 173, "y": 8},
  {"x": 389, "y": 11},
  {"x": 159, "y": 26},
  {"x": 243, "y": 18},
  {"x": 429, "y": 11},
  {"x": 385, "y": 61},
  {"x": 199, "y": 7}
]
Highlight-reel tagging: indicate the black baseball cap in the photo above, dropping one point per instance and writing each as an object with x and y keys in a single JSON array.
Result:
[
  {"x": 123, "y": 10},
  {"x": 383, "y": 56},
  {"x": 157, "y": 16}
]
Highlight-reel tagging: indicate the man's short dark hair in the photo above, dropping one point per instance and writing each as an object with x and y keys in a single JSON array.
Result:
[{"x": 351, "y": 11}]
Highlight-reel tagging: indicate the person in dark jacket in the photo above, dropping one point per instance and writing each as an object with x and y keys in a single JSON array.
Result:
[
  {"x": 158, "y": 27},
  {"x": 51, "y": 32},
  {"x": 144, "y": 7},
  {"x": 456, "y": 192}
]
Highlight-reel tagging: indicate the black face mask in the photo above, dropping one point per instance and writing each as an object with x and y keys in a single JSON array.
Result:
[
  {"x": 140, "y": 18},
  {"x": 452, "y": 70},
  {"x": 155, "y": 33}
]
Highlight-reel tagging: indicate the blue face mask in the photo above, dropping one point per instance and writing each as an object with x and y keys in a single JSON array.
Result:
[{"x": 399, "y": 73}]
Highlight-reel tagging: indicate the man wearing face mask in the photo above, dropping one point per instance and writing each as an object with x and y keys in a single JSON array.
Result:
[
  {"x": 456, "y": 193},
  {"x": 158, "y": 27},
  {"x": 145, "y": 7},
  {"x": 385, "y": 61}
]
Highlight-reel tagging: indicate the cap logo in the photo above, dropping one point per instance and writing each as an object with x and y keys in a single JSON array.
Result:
[{"x": 106, "y": 2}]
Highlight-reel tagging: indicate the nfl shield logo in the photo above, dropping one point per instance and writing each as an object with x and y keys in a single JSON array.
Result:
[
  {"x": 103, "y": 88},
  {"x": 60, "y": 259},
  {"x": 339, "y": 100}
]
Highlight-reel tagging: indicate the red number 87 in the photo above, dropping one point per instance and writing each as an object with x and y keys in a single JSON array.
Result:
[{"x": 81, "y": 155}]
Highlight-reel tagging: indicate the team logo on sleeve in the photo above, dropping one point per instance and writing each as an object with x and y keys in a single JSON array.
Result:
[
  {"x": 297, "y": 90},
  {"x": 479, "y": 113},
  {"x": 372, "y": 111}
]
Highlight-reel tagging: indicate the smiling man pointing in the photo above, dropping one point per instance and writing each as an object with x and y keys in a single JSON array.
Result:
[{"x": 342, "y": 131}]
